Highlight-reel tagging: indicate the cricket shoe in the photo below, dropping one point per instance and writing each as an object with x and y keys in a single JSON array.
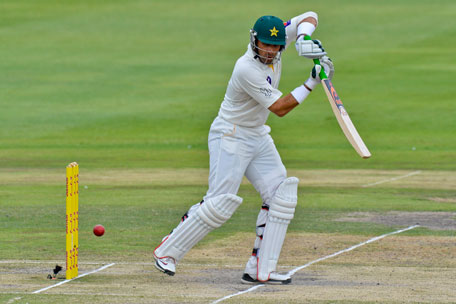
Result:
[
  {"x": 274, "y": 279},
  {"x": 166, "y": 265}
]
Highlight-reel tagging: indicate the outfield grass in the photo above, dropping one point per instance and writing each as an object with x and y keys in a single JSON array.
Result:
[
  {"x": 126, "y": 88},
  {"x": 137, "y": 83},
  {"x": 136, "y": 216}
]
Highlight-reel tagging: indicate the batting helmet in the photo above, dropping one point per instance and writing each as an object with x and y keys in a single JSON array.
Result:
[{"x": 270, "y": 30}]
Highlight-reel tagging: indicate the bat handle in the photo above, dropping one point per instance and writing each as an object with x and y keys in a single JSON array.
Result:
[{"x": 317, "y": 61}]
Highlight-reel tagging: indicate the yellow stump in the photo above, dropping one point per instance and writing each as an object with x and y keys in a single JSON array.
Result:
[{"x": 72, "y": 220}]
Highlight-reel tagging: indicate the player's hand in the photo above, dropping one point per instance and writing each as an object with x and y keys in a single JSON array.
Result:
[
  {"x": 311, "y": 49},
  {"x": 328, "y": 66},
  {"x": 314, "y": 78}
]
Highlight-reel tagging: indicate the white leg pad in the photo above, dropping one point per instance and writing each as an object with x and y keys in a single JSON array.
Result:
[
  {"x": 281, "y": 211},
  {"x": 211, "y": 214}
]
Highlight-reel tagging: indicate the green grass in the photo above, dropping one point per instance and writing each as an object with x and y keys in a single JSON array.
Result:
[
  {"x": 117, "y": 84},
  {"x": 135, "y": 84},
  {"x": 135, "y": 217}
]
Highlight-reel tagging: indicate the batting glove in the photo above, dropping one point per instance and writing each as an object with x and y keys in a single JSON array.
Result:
[
  {"x": 314, "y": 78},
  {"x": 311, "y": 49},
  {"x": 328, "y": 66}
]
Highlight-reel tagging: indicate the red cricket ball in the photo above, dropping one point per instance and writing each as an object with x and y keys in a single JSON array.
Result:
[{"x": 98, "y": 230}]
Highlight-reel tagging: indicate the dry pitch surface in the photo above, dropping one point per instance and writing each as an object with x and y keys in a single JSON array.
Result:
[{"x": 395, "y": 269}]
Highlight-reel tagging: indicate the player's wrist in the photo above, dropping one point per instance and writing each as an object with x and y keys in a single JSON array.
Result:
[
  {"x": 301, "y": 93},
  {"x": 305, "y": 29},
  {"x": 311, "y": 83}
]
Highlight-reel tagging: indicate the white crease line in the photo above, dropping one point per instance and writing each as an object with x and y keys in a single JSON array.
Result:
[
  {"x": 292, "y": 272},
  {"x": 392, "y": 179},
  {"x": 78, "y": 277},
  {"x": 238, "y": 293}
]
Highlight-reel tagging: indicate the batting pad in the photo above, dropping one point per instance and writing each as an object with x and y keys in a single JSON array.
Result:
[
  {"x": 281, "y": 211},
  {"x": 211, "y": 214}
]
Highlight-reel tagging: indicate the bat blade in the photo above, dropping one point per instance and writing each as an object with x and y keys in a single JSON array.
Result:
[{"x": 344, "y": 120}]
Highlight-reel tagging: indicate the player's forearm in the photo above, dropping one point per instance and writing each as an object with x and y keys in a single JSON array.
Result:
[{"x": 283, "y": 105}]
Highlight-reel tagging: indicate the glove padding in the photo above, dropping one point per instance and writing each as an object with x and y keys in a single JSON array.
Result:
[
  {"x": 311, "y": 49},
  {"x": 314, "y": 78},
  {"x": 328, "y": 66}
]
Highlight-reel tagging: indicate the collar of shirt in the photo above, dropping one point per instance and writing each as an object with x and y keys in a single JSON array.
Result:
[{"x": 251, "y": 54}]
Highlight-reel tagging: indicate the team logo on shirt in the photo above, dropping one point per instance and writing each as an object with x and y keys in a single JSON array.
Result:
[
  {"x": 266, "y": 92},
  {"x": 269, "y": 80}
]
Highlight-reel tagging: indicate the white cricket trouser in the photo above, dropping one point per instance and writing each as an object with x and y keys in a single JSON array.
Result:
[{"x": 237, "y": 151}]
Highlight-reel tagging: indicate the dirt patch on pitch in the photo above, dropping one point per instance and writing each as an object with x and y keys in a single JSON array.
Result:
[
  {"x": 430, "y": 220},
  {"x": 396, "y": 269},
  {"x": 392, "y": 269},
  {"x": 443, "y": 199}
]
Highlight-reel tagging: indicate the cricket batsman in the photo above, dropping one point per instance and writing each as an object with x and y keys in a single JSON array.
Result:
[{"x": 240, "y": 145}]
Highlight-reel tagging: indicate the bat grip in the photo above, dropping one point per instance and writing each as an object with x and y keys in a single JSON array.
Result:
[{"x": 317, "y": 61}]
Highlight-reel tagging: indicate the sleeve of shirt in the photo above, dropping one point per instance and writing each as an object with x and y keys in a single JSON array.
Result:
[
  {"x": 256, "y": 85},
  {"x": 291, "y": 26}
]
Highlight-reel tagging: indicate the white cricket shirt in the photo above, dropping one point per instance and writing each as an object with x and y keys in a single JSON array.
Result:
[{"x": 251, "y": 90}]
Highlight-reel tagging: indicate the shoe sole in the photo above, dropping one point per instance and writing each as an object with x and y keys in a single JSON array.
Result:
[
  {"x": 250, "y": 281},
  {"x": 275, "y": 282},
  {"x": 168, "y": 272},
  {"x": 269, "y": 282}
]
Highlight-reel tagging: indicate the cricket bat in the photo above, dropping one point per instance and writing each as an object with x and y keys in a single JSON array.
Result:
[{"x": 341, "y": 114}]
